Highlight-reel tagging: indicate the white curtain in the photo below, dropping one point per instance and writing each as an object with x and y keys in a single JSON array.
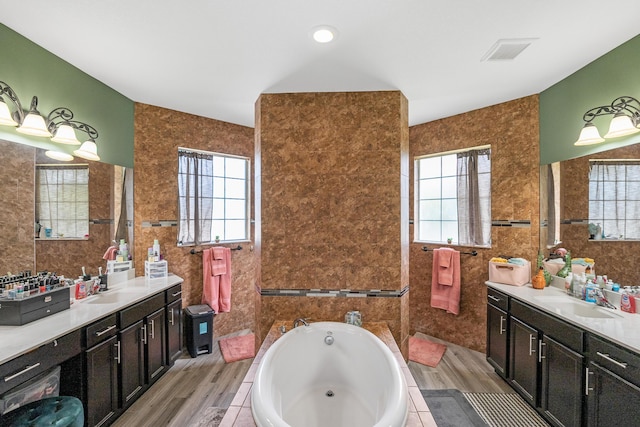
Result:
[
  {"x": 195, "y": 197},
  {"x": 614, "y": 197},
  {"x": 62, "y": 199},
  {"x": 474, "y": 197}
]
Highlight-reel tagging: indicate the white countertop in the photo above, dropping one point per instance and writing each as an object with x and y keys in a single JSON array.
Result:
[
  {"x": 17, "y": 340},
  {"x": 619, "y": 327}
]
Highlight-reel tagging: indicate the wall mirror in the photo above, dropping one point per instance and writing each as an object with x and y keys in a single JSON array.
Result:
[
  {"x": 110, "y": 197},
  {"x": 572, "y": 210}
]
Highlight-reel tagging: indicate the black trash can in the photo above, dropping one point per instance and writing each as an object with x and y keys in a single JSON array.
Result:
[{"x": 199, "y": 329}]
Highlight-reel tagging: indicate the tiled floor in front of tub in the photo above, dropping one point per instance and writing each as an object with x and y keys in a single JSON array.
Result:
[{"x": 239, "y": 412}]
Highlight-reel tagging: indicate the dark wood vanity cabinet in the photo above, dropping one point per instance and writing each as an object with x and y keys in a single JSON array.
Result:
[
  {"x": 101, "y": 371},
  {"x": 523, "y": 361},
  {"x": 561, "y": 383},
  {"x": 544, "y": 361},
  {"x": 613, "y": 385},
  {"x": 131, "y": 372},
  {"x": 142, "y": 346},
  {"x": 102, "y": 382},
  {"x": 175, "y": 333},
  {"x": 111, "y": 362},
  {"x": 547, "y": 364},
  {"x": 497, "y": 331},
  {"x": 156, "y": 340}
]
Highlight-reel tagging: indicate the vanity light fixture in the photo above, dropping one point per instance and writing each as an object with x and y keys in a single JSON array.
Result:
[
  {"x": 6, "y": 117},
  {"x": 626, "y": 120},
  {"x": 33, "y": 124},
  {"x": 59, "y": 125}
]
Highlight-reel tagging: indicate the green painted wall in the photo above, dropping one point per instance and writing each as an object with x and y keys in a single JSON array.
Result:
[
  {"x": 600, "y": 82},
  {"x": 31, "y": 70}
]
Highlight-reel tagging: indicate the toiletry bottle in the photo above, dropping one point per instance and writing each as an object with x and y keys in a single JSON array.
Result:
[
  {"x": 627, "y": 302},
  {"x": 156, "y": 250}
]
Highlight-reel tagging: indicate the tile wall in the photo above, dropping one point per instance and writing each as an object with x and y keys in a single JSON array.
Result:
[
  {"x": 511, "y": 128},
  {"x": 158, "y": 134},
  {"x": 333, "y": 205},
  {"x": 17, "y": 210}
]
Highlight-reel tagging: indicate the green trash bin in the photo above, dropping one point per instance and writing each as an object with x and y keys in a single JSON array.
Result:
[{"x": 199, "y": 329}]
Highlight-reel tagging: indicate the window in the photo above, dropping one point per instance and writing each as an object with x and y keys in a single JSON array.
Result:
[
  {"x": 453, "y": 197},
  {"x": 213, "y": 197},
  {"x": 62, "y": 200},
  {"x": 614, "y": 197}
]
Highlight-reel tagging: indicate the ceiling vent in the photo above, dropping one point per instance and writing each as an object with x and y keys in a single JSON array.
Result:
[{"x": 506, "y": 49}]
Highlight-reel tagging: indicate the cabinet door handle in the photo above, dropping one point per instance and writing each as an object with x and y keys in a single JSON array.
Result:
[
  {"x": 153, "y": 329},
  {"x": 587, "y": 389},
  {"x": 172, "y": 319},
  {"x": 104, "y": 331},
  {"x": 175, "y": 294},
  {"x": 502, "y": 330},
  {"x": 540, "y": 355},
  {"x": 531, "y": 347},
  {"x": 17, "y": 374},
  {"x": 606, "y": 356},
  {"x": 496, "y": 299},
  {"x": 117, "y": 346},
  {"x": 144, "y": 334}
]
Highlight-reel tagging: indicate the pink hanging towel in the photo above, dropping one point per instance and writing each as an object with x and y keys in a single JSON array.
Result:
[
  {"x": 216, "y": 290},
  {"x": 445, "y": 280}
]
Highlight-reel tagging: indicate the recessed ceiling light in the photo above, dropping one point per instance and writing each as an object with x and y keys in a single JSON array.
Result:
[{"x": 324, "y": 33}]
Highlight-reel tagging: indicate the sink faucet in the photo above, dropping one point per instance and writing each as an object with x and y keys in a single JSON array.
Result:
[
  {"x": 601, "y": 300},
  {"x": 300, "y": 320}
]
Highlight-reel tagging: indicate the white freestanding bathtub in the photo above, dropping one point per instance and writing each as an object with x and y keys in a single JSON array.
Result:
[{"x": 306, "y": 379}]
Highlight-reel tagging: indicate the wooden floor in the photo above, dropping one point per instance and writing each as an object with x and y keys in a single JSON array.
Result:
[{"x": 195, "y": 391}]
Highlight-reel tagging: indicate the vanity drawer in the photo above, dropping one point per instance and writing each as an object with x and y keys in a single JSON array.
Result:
[
  {"x": 173, "y": 294},
  {"x": 498, "y": 299},
  {"x": 132, "y": 314},
  {"x": 563, "y": 332},
  {"x": 621, "y": 361},
  {"x": 27, "y": 366},
  {"x": 100, "y": 331}
]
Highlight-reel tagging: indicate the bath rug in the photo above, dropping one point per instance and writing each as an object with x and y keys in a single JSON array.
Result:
[
  {"x": 425, "y": 352},
  {"x": 238, "y": 348},
  {"x": 450, "y": 409},
  {"x": 493, "y": 407}
]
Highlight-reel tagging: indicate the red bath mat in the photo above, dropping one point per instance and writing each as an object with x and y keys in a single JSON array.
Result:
[
  {"x": 238, "y": 348},
  {"x": 426, "y": 352}
]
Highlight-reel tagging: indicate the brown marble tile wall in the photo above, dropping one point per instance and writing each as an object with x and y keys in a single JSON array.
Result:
[
  {"x": 332, "y": 309},
  {"x": 67, "y": 257},
  {"x": 512, "y": 130},
  {"x": 334, "y": 178},
  {"x": 158, "y": 133},
  {"x": 17, "y": 210},
  {"x": 610, "y": 256}
]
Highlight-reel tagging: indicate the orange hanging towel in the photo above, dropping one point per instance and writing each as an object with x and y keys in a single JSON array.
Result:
[
  {"x": 216, "y": 269},
  {"x": 445, "y": 280}
]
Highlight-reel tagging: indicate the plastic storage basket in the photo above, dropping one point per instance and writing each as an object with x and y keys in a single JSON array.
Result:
[{"x": 155, "y": 270}]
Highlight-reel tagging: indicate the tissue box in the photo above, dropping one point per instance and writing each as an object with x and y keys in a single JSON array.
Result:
[{"x": 509, "y": 274}]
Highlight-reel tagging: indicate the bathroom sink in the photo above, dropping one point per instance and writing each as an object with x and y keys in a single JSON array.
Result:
[
  {"x": 109, "y": 297},
  {"x": 571, "y": 307}
]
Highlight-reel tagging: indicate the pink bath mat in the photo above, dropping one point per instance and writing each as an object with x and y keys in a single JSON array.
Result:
[
  {"x": 426, "y": 352},
  {"x": 238, "y": 348}
]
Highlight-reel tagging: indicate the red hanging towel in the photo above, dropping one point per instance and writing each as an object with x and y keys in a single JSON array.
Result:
[
  {"x": 216, "y": 290},
  {"x": 445, "y": 280}
]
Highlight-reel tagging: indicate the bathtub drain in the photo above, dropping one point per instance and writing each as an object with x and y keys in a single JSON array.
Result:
[{"x": 329, "y": 393}]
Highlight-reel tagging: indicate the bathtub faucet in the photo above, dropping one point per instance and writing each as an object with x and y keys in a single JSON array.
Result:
[{"x": 300, "y": 320}]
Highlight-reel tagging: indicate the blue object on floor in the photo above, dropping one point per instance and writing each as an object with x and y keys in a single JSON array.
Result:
[{"x": 59, "y": 411}]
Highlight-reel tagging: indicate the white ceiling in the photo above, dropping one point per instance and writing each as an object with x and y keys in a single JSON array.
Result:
[{"x": 213, "y": 58}]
